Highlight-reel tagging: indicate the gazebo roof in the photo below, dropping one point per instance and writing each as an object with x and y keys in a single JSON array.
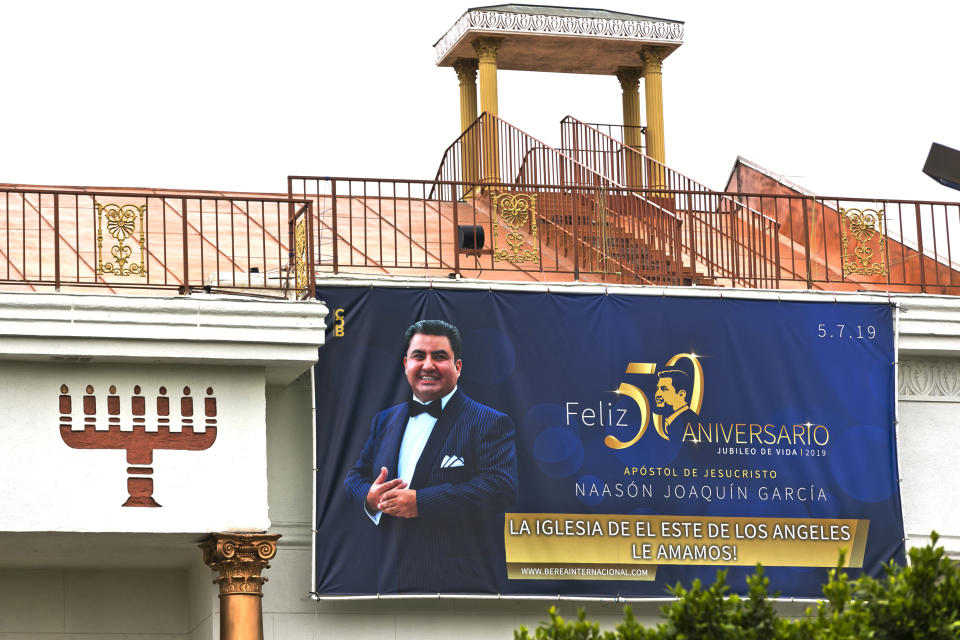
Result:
[{"x": 558, "y": 39}]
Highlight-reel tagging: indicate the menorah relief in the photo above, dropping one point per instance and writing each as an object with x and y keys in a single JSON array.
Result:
[{"x": 138, "y": 442}]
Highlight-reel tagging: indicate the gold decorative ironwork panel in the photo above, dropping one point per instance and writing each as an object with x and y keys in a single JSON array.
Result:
[
  {"x": 864, "y": 242},
  {"x": 123, "y": 223},
  {"x": 518, "y": 213},
  {"x": 300, "y": 256}
]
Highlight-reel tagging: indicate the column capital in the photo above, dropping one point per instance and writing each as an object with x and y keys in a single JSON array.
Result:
[
  {"x": 466, "y": 69},
  {"x": 653, "y": 58},
  {"x": 487, "y": 48},
  {"x": 629, "y": 78},
  {"x": 239, "y": 558}
]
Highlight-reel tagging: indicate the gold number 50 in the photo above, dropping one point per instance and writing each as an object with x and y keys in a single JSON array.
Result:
[{"x": 638, "y": 396}]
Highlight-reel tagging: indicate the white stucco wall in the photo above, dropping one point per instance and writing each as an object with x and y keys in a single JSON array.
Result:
[
  {"x": 83, "y": 489},
  {"x": 134, "y": 572},
  {"x": 929, "y": 413}
]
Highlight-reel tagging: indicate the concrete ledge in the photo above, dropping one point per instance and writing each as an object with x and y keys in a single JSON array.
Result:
[
  {"x": 281, "y": 336},
  {"x": 929, "y": 325}
]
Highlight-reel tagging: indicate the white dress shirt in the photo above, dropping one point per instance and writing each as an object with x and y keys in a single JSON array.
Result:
[{"x": 415, "y": 438}]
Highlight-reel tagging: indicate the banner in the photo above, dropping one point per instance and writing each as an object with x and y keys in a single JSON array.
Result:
[{"x": 603, "y": 445}]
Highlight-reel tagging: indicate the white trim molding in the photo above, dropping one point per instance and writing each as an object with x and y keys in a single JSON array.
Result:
[
  {"x": 280, "y": 336},
  {"x": 935, "y": 379},
  {"x": 649, "y": 30}
]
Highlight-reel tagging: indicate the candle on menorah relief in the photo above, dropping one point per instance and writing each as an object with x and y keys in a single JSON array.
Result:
[{"x": 140, "y": 489}]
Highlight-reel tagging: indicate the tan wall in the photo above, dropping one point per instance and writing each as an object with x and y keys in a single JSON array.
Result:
[{"x": 45, "y": 604}]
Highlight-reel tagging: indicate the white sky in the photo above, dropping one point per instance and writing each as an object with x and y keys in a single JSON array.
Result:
[{"x": 843, "y": 97}]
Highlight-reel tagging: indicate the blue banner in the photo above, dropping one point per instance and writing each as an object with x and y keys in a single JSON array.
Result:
[{"x": 607, "y": 445}]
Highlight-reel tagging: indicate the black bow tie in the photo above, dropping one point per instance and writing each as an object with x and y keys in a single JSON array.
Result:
[{"x": 416, "y": 408}]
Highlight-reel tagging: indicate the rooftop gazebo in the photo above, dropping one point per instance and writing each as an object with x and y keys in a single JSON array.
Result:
[{"x": 563, "y": 40}]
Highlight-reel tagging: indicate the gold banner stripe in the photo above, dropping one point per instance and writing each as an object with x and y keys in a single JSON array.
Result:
[
  {"x": 558, "y": 539},
  {"x": 859, "y": 544}
]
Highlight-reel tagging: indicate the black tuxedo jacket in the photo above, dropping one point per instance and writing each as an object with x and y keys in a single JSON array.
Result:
[{"x": 456, "y": 543}]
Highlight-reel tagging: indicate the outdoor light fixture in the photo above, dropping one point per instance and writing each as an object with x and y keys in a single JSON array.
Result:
[
  {"x": 470, "y": 237},
  {"x": 943, "y": 165}
]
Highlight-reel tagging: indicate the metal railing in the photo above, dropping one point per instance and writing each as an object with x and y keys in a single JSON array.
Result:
[
  {"x": 492, "y": 151},
  {"x": 603, "y": 233},
  {"x": 622, "y": 133},
  {"x": 696, "y": 205},
  {"x": 585, "y": 227},
  {"x": 127, "y": 240},
  {"x": 533, "y": 231},
  {"x": 864, "y": 243}
]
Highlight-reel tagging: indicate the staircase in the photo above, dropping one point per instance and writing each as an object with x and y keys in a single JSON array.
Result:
[
  {"x": 722, "y": 240},
  {"x": 608, "y": 230}
]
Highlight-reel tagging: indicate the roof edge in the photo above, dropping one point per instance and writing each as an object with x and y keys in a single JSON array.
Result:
[
  {"x": 770, "y": 174},
  {"x": 639, "y": 28},
  {"x": 494, "y": 7}
]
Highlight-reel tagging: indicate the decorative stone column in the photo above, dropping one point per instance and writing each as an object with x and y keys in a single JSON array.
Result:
[
  {"x": 653, "y": 93},
  {"x": 486, "y": 49},
  {"x": 239, "y": 558},
  {"x": 629, "y": 78},
  {"x": 466, "y": 69}
]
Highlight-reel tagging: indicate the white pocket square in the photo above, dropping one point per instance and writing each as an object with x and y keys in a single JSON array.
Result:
[{"x": 451, "y": 461}]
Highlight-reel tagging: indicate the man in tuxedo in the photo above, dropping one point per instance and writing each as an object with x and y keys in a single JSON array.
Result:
[
  {"x": 672, "y": 397},
  {"x": 436, "y": 475}
]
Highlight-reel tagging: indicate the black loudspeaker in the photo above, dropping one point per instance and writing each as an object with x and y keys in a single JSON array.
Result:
[
  {"x": 470, "y": 237},
  {"x": 943, "y": 165}
]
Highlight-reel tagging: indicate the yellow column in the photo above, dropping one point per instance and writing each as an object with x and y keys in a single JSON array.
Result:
[
  {"x": 629, "y": 78},
  {"x": 486, "y": 49},
  {"x": 653, "y": 93},
  {"x": 239, "y": 558},
  {"x": 466, "y": 69}
]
